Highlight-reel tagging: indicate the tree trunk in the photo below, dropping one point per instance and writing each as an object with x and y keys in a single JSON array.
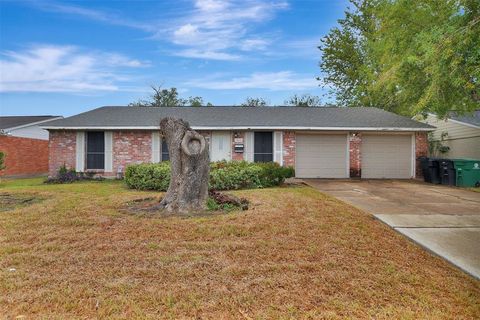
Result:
[{"x": 190, "y": 166}]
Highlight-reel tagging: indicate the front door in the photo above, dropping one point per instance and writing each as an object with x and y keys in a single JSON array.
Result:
[
  {"x": 263, "y": 147},
  {"x": 221, "y": 146}
]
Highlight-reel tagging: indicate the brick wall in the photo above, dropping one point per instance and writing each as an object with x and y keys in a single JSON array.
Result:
[
  {"x": 421, "y": 150},
  {"x": 355, "y": 155},
  {"x": 136, "y": 147},
  {"x": 61, "y": 150},
  {"x": 131, "y": 147},
  {"x": 289, "y": 148},
  {"x": 24, "y": 156}
]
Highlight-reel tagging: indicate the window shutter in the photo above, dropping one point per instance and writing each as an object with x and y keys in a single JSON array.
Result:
[
  {"x": 278, "y": 147},
  {"x": 80, "y": 152},
  {"x": 108, "y": 151},
  {"x": 156, "y": 146},
  {"x": 249, "y": 138}
]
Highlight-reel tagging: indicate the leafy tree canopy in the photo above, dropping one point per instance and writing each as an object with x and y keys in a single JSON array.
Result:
[
  {"x": 304, "y": 100},
  {"x": 254, "y": 102},
  {"x": 406, "y": 56},
  {"x": 168, "y": 98}
]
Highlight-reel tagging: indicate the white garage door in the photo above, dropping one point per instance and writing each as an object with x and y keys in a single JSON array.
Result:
[
  {"x": 321, "y": 156},
  {"x": 387, "y": 156}
]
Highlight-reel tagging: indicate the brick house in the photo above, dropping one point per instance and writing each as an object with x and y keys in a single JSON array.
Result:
[
  {"x": 324, "y": 142},
  {"x": 25, "y": 144}
]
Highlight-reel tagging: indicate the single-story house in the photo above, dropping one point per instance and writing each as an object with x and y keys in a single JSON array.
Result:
[
  {"x": 25, "y": 144},
  {"x": 320, "y": 142},
  {"x": 461, "y": 134}
]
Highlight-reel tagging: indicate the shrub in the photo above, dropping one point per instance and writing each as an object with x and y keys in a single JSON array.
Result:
[
  {"x": 65, "y": 175},
  {"x": 2, "y": 160},
  {"x": 148, "y": 176},
  {"x": 224, "y": 175}
]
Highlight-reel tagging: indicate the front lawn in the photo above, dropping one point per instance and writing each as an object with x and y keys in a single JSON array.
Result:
[{"x": 295, "y": 254}]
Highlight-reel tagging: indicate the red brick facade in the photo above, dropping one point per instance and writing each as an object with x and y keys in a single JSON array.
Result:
[
  {"x": 130, "y": 147},
  {"x": 61, "y": 150},
  {"x": 289, "y": 148},
  {"x": 421, "y": 150},
  {"x": 24, "y": 156},
  {"x": 136, "y": 147},
  {"x": 355, "y": 155}
]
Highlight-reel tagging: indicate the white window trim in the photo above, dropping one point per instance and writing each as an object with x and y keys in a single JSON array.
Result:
[
  {"x": 108, "y": 151},
  {"x": 80, "y": 153},
  {"x": 279, "y": 152},
  {"x": 156, "y": 147}
]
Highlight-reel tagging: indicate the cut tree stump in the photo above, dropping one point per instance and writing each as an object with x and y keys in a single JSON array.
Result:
[{"x": 190, "y": 166}]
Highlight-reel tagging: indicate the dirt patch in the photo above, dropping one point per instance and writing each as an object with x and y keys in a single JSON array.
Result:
[
  {"x": 148, "y": 207},
  {"x": 11, "y": 201}
]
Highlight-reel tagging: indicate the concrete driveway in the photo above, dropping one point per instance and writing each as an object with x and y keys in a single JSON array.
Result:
[{"x": 445, "y": 220}]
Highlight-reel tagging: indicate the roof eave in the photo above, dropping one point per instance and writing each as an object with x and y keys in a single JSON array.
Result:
[
  {"x": 33, "y": 124},
  {"x": 293, "y": 128}
]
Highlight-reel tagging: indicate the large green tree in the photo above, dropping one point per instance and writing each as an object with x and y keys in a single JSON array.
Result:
[
  {"x": 168, "y": 98},
  {"x": 406, "y": 56}
]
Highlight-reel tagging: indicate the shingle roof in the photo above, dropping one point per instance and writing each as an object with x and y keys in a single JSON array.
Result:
[
  {"x": 8, "y": 122},
  {"x": 240, "y": 117},
  {"x": 473, "y": 118}
]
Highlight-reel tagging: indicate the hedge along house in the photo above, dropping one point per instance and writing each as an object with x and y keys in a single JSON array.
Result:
[{"x": 320, "y": 142}]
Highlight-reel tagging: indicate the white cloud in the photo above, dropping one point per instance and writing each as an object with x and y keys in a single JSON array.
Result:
[
  {"x": 211, "y": 5},
  {"x": 254, "y": 44},
  {"x": 48, "y": 68},
  {"x": 282, "y": 80},
  {"x": 209, "y": 55},
  {"x": 225, "y": 27},
  {"x": 93, "y": 15},
  {"x": 222, "y": 27}
]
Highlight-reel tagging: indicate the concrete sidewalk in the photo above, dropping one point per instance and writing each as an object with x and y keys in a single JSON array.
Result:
[
  {"x": 444, "y": 220},
  {"x": 454, "y": 238}
]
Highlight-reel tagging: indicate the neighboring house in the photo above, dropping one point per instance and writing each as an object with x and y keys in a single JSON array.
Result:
[
  {"x": 319, "y": 142},
  {"x": 25, "y": 144},
  {"x": 461, "y": 134},
  {"x": 26, "y": 126}
]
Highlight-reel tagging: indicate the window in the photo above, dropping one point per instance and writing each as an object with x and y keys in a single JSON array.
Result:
[
  {"x": 165, "y": 155},
  {"x": 263, "y": 147},
  {"x": 95, "y": 150}
]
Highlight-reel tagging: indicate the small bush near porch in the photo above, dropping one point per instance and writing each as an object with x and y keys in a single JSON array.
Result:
[{"x": 296, "y": 254}]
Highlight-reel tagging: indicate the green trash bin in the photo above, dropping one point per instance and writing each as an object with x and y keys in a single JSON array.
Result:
[{"x": 468, "y": 172}]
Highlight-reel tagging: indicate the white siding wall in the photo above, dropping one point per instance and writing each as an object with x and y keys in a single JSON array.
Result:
[
  {"x": 33, "y": 132},
  {"x": 463, "y": 140}
]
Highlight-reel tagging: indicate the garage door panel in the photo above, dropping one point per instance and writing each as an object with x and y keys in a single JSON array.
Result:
[
  {"x": 387, "y": 156},
  {"x": 321, "y": 156}
]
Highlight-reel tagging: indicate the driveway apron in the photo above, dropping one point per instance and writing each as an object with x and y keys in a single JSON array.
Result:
[{"x": 444, "y": 220}]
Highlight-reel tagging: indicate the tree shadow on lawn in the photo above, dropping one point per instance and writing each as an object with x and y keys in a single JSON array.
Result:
[
  {"x": 148, "y": 208},
  {"x": 12, "y": 201}
]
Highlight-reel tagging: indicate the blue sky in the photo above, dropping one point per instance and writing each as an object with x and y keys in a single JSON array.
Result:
[{"x": 59, "y": 57}]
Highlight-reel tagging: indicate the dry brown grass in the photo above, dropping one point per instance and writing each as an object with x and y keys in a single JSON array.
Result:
[{"x": 296, "y": 254}]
